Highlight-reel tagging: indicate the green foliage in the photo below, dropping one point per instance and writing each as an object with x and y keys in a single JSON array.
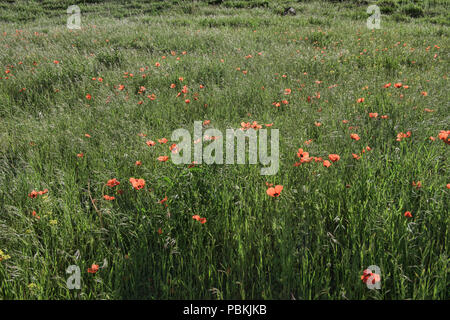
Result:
[{"x": 311, "y": 242}]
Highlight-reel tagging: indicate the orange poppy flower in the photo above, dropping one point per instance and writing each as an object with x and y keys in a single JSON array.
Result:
[
  {"x": 355, "y": 156},
  {"x": 398, "y": 85},
  {"x": 163, "y": 140},
  {"x": 150, "y": 143},
  {"x": 424, "y": 93},
  {"x": 326, "y": 163},
  {"x": 80, "y": 155},
  {"x": 93, "y": 269},
  {"x": 34, "y": 214},
  {"x": 33, "y": 194},
  {"x": 163, "y": 200},
  {"x": 360, "y": 100},
  {"x": 367, "y": 275},
  {"x": 334, "y": 157},
  {"x": 88, "y": 96},
  {"x": 137, "y": 184},
  {"x": 109, "y": 198},
  {"x": 138, "y": 163},
  {"x": 274, "y": 192},
  {"x": 384, "y": 117},
  {"x": 448, "y": 185},
  {"x": 387, "y": 85},
  {"x": 373, "y": 115},
  {"x": 354, "y": 136},
  {"x": 163, "y": 158},
  {"x": 444, "y": 136},
  {"x": 417, "y": 184},
  {"x": 112, "y": 183},
  {"x": 317, "y": 124},
  {"x": 408, "y": 214}
]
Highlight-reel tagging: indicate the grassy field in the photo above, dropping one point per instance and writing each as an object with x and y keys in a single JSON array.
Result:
[{"x": 77, "y": 108}]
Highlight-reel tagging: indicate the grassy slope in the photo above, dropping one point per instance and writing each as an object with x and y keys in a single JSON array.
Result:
[{"x": 314, "y": 241}]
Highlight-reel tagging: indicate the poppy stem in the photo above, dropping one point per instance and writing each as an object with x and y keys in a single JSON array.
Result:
[{"x": 95, "y": 207}]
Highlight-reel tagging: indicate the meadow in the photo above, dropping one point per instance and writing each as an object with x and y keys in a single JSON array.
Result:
[{"x": 85, "y": 112}]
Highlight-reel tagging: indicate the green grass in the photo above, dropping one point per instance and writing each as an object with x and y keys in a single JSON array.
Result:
[{"x": 313, "y": 241}]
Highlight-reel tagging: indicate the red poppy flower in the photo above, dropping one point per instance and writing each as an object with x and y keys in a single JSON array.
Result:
[
  {"x": 326, "y": 163},
  {"x": 109, "y": 198},
  {"x": 275, "y": 192},
  {"x": 334, "y": 157},
  {"x": 408, "y": 214},
  {"x": 355, "y": 156},
  {"x": 33, "y": 194},
  {"x": 163, "y": 158},
  {"x": 444, "y": 136},
  {"x": 367, "y": 274},
  {"x": 88, "y": 96},
  {"x": 360, "y": 100},
  {"x": 373, "y": 115},
  {"x": 354, "y": 136},
  {"x": 93, "y": 269},
  {"x": 398, "y": 85},
  {"x": 163, "y": 140},
  {"x": 138, "y": 163},
  {"x": 387, "y": 85},
  {"x": 137, "y": 183},
  {"x": 112, "y": 183},
  {"x": 150, "y": 143},
  {"x": 163, "y": 200},
  {"x": 80, "y": 155},
  {"x": 417, "y": 184}
]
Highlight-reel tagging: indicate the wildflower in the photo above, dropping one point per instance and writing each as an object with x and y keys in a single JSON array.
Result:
[
  {"x": 112, "y": 183},
  {"x": 424, "y": 93},
  {"x": 163, "y": 158},
  {"x": 387, "y": 85},
  {"x": 163, "y": 140},
  {"x": 138, "y": 163},
  {"x": 187, "y": 101},
  {"x": 275, "y": 192},
  {"x": 4, "y": 256},
  {"x": 355, "y": 156},
  {"x": 367, "y": 275},
  {"x": 93, "y": 269},
  {"x": 444, "y": 136},
  {"x": 384, "y": 117},
  {"x": 360, "y": 100},
  {"x": 137, "y": 183},
  {"x": 317, "y": 124},
  {"x": 402, "y": 135},
  {"x": 408, "y": 214},
  {"x": 326, "y": 163},
  {"x": 398, "y": 85},
  {"x": 33, "y": 194},
  {"x": 418, "y": 185},
  {"x": 109, "y": 198},
  {"x": 163, "y": 200},
  {"x": 150, "y": 143},
  {"x": 87, "y": 135},
  {"x": 334, "y": 157},
  {"x": 354, "y": 136},
  {"x": 373, "y": 115},
  {"x": 80, "y": 155},
  {"x": 303, "y": 155}
]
